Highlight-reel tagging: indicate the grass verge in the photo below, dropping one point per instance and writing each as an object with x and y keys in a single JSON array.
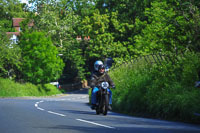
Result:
[{"x": 9, "y": 88}]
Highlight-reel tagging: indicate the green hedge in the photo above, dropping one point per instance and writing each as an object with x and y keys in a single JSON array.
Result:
[{"x": 163, "y": 91}]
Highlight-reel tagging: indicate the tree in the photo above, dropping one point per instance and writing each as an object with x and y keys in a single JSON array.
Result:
[
  {"x": 41, "y": 63},
  {"x": 8, "y": 10},
  {"x": 102, "y": 43},
  {"x": 158, "y": 34},
  {"x": 169, "y": 28},
  {"x": 57, "y": 19},
  {"x": 10, "y": 58}
]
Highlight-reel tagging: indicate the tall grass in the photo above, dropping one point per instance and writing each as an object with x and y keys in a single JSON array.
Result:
[
  {"x": 9, "y": 88},
  {"x": 163, "y": 91}
]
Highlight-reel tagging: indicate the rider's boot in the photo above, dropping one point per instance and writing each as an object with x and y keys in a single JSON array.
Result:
[
  {"x": 93, "y": 107},
  {"x": 109, "y": 107}
]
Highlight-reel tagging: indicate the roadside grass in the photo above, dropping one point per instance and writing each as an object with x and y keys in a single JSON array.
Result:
[
  {"x": 9, "y": 88},
  {"x": 159, "y": 91}
]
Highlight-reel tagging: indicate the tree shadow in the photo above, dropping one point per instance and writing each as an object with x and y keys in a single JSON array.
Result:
[
  {"x": 80, "y": 112},
  {"x": 79, "y": 91},
  {"x": 82, "y": 129}
]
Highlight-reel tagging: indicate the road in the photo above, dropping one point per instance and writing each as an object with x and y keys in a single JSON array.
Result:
[{"x": 71, "y": 113}]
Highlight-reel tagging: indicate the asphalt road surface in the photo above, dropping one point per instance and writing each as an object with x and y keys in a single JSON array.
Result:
[{"x": 71, "y": 113}]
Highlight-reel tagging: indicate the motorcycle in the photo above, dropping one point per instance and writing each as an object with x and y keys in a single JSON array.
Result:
[{"x": 102, "y": 99}]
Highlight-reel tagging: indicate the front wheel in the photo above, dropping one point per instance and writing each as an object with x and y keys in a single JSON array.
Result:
[
  {"x": 105, "y": 106},
  {"x": 97, "y": 111}
]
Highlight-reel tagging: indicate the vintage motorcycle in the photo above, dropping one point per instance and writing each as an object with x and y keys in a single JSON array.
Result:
[{"x": 102, "y": 99}]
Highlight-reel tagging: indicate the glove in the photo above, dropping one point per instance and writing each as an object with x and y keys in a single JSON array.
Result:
[{"x": 113, "y": 87}]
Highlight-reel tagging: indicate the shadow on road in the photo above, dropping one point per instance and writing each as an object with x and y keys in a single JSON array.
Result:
[
  {"x": 79, "y": 112},
  {"x": 80, "y": 91},
  {"x": 82, "y": 129}
]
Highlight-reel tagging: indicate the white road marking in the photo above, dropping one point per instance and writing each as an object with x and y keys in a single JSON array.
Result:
[
  {"x": 40, "y": 108},
  {"x": 95, "y": 123},
  {"x": 36, "y": 105},
  {"x": 51, "y": 112},
  {"x": 56, "y": 113}
]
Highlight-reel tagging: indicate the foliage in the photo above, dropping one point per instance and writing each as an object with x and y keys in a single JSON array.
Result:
[
  {"x": 57, "y": 22},
  {"x": 159, "y": 33},
  {"x": 10, "y": 88},
  {"x": 121, "y": 29},
  {"x": 168, "y": 28},
  {"x": 165, "y": 91},
  {"x": 10, "y": 9},
  {"x": 41, "y": 63},
  {"x": 60, "y": 22},
  {"x": 10, "y": 58},
  {"x": 102, "y": 43},
  {"x": 127, "y": 9}
]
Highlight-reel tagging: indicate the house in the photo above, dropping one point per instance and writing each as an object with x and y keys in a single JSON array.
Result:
[
  {"x": 79, "y": 38},
  {"x": 16, "y": 24}
]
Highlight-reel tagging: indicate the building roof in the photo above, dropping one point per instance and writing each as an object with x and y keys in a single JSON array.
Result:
[
  {"x": 13, "y": 33},
  {"x": 16, "y": 22}
]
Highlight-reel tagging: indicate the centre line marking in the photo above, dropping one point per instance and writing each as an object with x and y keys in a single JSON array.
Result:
[
  {"x": 56, "y": 113},
  {"x": 40, "y": 108},
  {"x": 95, "y": 123}
]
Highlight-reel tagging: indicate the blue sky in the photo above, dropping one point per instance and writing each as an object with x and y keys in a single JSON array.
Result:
[{"x": 24, "y": 1}]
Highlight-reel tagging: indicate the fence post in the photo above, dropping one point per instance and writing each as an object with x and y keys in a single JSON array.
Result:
[
  {"x": 146, "y": 59},
  {"x": 158, "y": 59},
  {"x": 154, "y": 58},
  {"x": 149, "y": 59}
]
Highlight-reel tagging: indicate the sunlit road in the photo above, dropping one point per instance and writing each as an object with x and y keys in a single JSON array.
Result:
[{"x": 71, "y": 114}]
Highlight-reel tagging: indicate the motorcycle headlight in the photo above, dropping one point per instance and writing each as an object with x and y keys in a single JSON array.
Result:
[{"x": 104, "y": 85}]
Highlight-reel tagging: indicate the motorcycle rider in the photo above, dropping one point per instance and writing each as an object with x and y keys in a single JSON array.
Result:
[{"x": 97, "y": 77}]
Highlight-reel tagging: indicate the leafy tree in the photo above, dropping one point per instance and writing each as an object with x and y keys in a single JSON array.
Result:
[
  {"x": 117, "y": 28},
  {"x": 10, "y": 58},
  {"x": 158, "y": 34},
  {"x": 58, "y": 19},
  {"x": 41, "y": 63},
  {"x": 102, "y": 43},
  {"x": 11, "y": 9},
  {"x": 187, "y": 24},
  {"x": 53, "y": 18},
  {"x": 128, "y": 9},
  {"x": 167, "y": 29}
]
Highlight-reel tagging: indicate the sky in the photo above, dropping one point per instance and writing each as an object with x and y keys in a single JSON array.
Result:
[{"x": 24, "y": 1}]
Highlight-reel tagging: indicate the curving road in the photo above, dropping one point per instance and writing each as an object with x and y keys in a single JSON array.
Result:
[{"x": 71, "y": 114}]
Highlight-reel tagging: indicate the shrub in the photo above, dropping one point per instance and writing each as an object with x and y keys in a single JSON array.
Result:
[{"x": 164, "y": 91}]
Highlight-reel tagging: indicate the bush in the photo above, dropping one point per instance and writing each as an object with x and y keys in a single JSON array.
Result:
[{"x": 163, "y": 91}]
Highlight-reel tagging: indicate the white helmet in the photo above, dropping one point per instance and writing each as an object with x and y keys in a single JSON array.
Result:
[{"x": 96, "y": 65}]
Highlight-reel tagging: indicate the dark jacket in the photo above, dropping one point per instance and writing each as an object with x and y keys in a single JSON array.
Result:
[{"x": 97, "y": 79}]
